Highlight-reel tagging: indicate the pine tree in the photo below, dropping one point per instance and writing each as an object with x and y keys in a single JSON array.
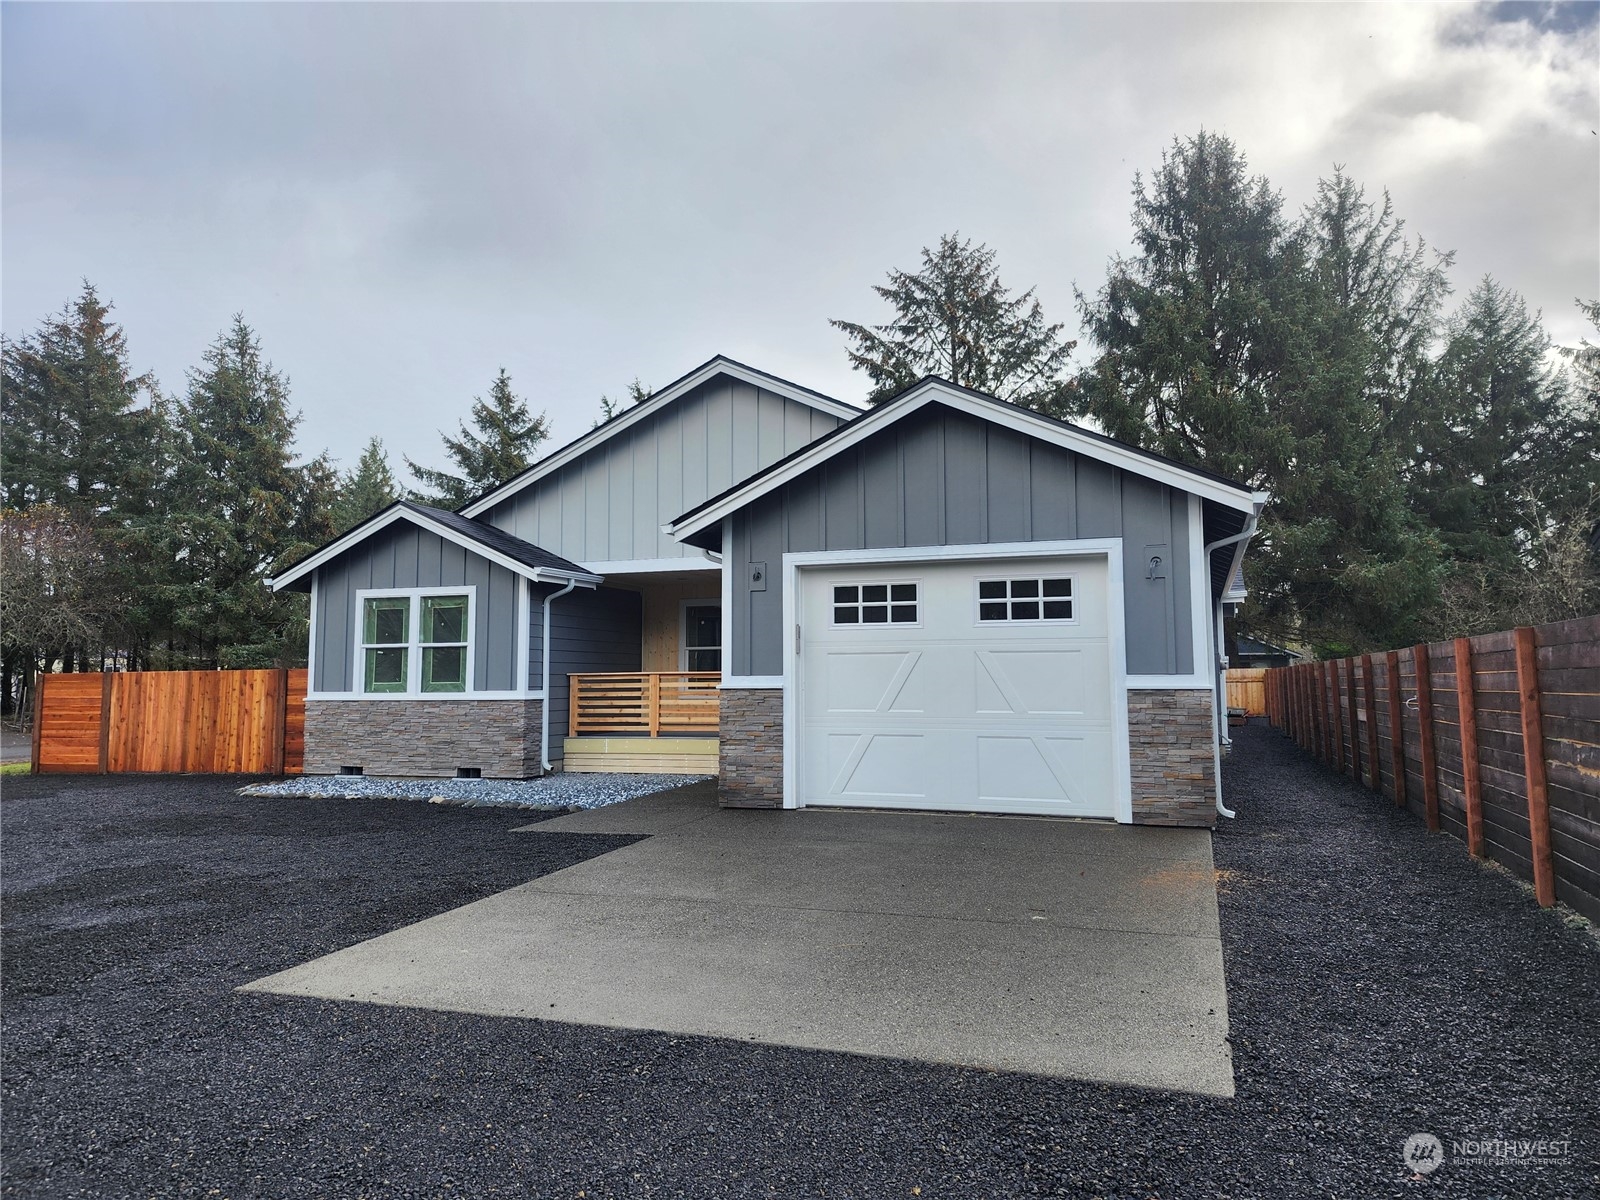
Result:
[
  {"x": 1271, "y": 352},
  {"x": 502, "y": 442},
  {"x": 954, "y": 318},
  {"x": 241, "y": 499},
  {"x": 637, "y": 393},
  {"x": 367, "y": 489}
]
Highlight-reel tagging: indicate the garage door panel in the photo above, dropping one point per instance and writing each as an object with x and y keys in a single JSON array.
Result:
[{"x": 954, "y": 712}]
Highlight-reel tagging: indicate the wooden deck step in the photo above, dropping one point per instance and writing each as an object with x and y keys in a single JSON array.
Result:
[{"x": 640, "y": 755}]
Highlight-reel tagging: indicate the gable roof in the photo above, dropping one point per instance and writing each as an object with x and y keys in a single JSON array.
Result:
[
  {"x": 579, "y": 446},
  {"x": 496, "y": 545},
  {"x": 1257, "y": 647},
  {"x": 1206, "y": 484}
]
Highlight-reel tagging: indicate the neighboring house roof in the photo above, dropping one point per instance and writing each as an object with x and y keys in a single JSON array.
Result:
[
  {"x": 934, "y": 390},
  {"x": 496, "y": 545},
  {"x": 1255, "y": 648},
  {"x": 720, "y": 365}
]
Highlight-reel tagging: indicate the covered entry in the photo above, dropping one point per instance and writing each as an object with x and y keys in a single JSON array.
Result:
[{"x": 982, "y": 685}]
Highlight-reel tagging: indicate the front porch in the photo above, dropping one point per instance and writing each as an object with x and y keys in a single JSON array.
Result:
[{"x": 659, "y": 722}]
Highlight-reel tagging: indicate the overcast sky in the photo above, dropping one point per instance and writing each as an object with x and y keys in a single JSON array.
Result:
[{"x": 403, "y": 198}]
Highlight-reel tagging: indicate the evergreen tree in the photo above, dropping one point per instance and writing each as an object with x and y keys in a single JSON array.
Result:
[
  {"x": 241, "y": 499},
  {"x": 367, "y": 489},
  {"x": 503, "y": 441},
  {"x": 955, "y": 318},
  {"x": 637, "y": 394},
  {"x": 1270, "y": 352},
  {"x": 1508, "y": 467}
]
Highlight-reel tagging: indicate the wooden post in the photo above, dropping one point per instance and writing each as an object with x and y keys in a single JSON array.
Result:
[
  {"x": 280, "y": 721},
  {"x": 1544, "y": 880},
  {"x": 1355, "y": 718},
  {"x": 574, "y": 692},
  {"x": 1430, "y": 767},
  {"x": 1397, "y": 728},
  {"x": 1335, "y": 718},
  {"x": 1371, "y": 696},
  {"x": 1317, "y": 687},
  {"x": 653, "y": 699},
  {"x": 38, "y": 717},
  {"x": 105, "y": 721},
  {"x": 1467, "y": 710}
]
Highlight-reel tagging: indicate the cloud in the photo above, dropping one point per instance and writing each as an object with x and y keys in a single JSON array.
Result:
[{"x": 405, "y": 198}]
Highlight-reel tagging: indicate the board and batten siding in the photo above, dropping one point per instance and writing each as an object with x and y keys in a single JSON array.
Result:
[
  {"x": 404, "y": 556},
  {"x": 590, "y": 631},
  {"x": 943, "y": 478},
  {"x": 609, "y": 505}
]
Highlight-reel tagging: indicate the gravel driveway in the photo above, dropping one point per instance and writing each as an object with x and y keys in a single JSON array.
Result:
[{"x": 1380, "y": 985}]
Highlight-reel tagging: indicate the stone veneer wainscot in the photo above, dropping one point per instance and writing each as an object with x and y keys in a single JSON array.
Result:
[
  {"x": 423, "y": 737},
  {"x": 750, "y": 753},
  {"x": 1170, "y": 747}
]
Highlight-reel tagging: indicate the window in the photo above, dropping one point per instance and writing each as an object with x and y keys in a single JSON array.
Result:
[
  {"x": 875, "y": 604},
  {"x": 1035, "y": 598},
  {"x": 702, "y": 637},
  {"x": 415, "y": 642}
]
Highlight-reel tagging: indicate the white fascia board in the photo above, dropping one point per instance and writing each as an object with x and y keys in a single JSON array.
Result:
[
  {"x": 651, "y": 566},
  {"x": 1019, "y": 419},
  {"x": 586, "y": 442},
  {"x": 359, "y": 534}
]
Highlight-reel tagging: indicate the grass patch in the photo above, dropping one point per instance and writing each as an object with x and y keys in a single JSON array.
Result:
[{"x": 16, "y": 768}]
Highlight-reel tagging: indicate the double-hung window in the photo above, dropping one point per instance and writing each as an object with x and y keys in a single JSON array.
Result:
[{"x": 415, "y": 642}]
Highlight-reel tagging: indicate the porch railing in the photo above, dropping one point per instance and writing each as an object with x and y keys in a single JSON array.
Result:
[{"x": 656, "y": 703}]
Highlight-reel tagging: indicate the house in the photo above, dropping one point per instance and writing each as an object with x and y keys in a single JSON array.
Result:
[
  {"x": 1253, "y": 652},
  {"x": 945, "y": 602},
  {"x": 429, "y": 628}
]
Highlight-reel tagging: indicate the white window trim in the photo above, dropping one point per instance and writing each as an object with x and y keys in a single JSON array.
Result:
[
  {"x": 1116, "y": 635},
  {"x": 890, "y": 603},
  {"x": 1071, "y": 598},
  {"x": 683, "y": 631},
  {"x": 414, "y": 640}
]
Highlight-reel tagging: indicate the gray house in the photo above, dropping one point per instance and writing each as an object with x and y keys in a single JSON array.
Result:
[{"x": 947, "y": 602}]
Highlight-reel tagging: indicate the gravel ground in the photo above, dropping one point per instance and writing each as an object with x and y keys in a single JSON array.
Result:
[
  {"x": 1381, "y": 985},
  {"x": 558, "y": 792}
]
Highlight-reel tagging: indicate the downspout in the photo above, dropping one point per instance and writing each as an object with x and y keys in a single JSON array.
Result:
[
  {"x": 1219, "y": 695},
  {"x": 544, "y": 679}
]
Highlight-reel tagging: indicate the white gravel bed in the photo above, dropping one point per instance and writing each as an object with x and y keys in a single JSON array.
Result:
[{"x": 558, "y": 791}]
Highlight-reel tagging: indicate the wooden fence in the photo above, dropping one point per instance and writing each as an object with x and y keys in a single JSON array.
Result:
[
  {"x": 1495, "y": 739},
  {"x": 1247, "y": 689},
  {"x": 214, "y": 722}
]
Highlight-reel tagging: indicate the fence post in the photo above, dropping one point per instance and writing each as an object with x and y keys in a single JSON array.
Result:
[
  {"x": 38, "y": 718},
  {"x": 1430, "y": 772},
  {"x": 280, "y": 721},
  {"x": 105, "y": 721},
  {"x": 1369, "y": 682},
  {"x": 1544, "y": 883},
  {"x": 1397, "y": 728},
  {"x": 1335, "y": 718},
  {"x": 1467, "y": 709},
  {"x": 1317, "y": 685},
  {"x": 1355, "y": 718}
]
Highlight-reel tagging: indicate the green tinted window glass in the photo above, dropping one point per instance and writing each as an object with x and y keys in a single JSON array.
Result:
[
  {"x": 444, "y": 619},
  {"x": 387, "y": 621},
  {"x": 444, "y": 669},
  {"x": 386, "y": 669}
]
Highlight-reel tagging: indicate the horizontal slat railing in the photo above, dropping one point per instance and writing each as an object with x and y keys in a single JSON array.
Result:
[{"x": 655, "y": 703}]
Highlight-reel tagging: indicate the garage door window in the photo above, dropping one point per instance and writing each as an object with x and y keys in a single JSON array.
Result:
[
  {"x": 1030, "y": 598},
  {"x": 875, "y": 604}
]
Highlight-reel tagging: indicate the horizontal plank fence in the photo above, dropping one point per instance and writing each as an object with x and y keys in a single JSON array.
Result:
[
  {"x": 1492, "y": 739},
  {"x": 171, "y": 722},
  {"x": 654, "y": 703},
  {"x": 1247, "y": 689}
]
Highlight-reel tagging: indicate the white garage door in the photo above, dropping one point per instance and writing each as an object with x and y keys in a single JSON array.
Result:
[{"x": 977, "y": 686}]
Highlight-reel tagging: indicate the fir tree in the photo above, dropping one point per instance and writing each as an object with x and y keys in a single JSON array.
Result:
[
  {"x": 502, "y": 441},
  {"x": 367, "y": 489},
  {"x": 241, "y": 499},
  {"x": 637, "y": 393},
  {"x": 954, "y": 318}
]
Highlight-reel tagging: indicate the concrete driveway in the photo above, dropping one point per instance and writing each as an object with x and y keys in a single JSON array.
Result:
[{"x": 1063, "y": 948}]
